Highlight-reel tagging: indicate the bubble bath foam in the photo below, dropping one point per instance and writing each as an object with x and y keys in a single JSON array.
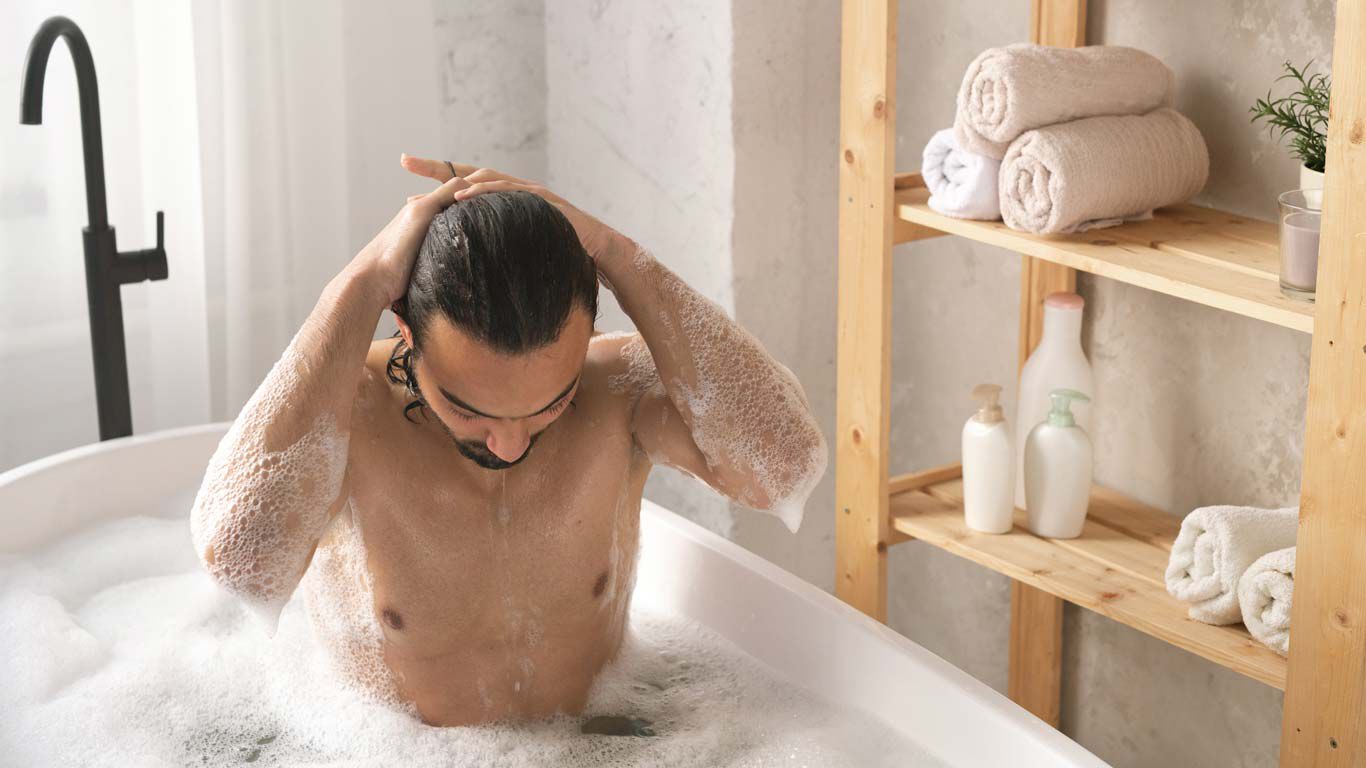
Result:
[{"x": 119, "y": 650}]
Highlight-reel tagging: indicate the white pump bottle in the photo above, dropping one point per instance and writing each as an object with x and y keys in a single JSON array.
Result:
[
  {"x": 1057, "y": 469},
  {"x": 988, "y": 465}
]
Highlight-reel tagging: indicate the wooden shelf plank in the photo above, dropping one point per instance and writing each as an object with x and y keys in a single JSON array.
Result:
[
  {"x": 1203, "y": 255},
  {"x": 1114, "y": 568}
]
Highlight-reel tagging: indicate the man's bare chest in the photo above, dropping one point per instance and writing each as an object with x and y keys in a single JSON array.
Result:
[{"x": 541, "y": 549}]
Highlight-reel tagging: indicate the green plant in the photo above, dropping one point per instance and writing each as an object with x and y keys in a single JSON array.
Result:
[{"x": 1302, "y": 115}]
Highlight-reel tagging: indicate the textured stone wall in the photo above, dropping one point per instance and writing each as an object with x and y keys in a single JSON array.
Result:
[{"x": 638, "y": 123}]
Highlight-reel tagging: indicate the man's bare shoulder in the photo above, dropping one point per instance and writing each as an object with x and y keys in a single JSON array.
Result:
[
  {"x": 619, "y": 366},
  {"x": 374, "y": 386},
  {"x": 377, "y": 358}
]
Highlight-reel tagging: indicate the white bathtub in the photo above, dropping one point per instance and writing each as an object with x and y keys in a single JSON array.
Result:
[{"x": 804, "y": 634}]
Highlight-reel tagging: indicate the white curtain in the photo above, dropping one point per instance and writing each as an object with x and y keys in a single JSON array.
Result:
[{"x": 268, "y": 131}]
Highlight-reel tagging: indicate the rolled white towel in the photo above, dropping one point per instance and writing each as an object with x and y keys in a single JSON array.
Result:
[
  {"x": 1213, "y": 550},
  {"x": 1098, "y": 170},
  {"x": 1007, "y": 91},
  {"x": 1264, "y": 594},
  {"x": 962, "y": 184}
]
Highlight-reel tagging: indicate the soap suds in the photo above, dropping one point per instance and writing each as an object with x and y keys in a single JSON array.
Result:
[
  {"x": 341, "y": 605},
  {"x": 770, "y": 435},
  {"x": 640, "y": 376},
  {"x": 261, "y": 508},
  {"x": 115, "y": 661}
]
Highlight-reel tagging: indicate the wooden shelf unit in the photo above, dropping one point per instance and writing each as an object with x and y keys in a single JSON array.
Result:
[
  {"x": 1203, "y": 255},
  {"x": 1115, "y": 568}
]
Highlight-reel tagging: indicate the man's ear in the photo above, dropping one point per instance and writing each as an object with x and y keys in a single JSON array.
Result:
[{"x": 405, "y": 331}]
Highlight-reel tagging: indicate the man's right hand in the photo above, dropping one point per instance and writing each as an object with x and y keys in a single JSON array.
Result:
[{"x": 387, "y": 261}]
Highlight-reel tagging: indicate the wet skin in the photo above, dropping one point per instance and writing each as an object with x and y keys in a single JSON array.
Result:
[{"x": 499, "y": 593}]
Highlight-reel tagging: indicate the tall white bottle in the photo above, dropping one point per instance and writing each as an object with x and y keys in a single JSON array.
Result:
[
  {"x": 988, "y": 465},
  {"x": 1057, "y": 468},
  {"x": 1057, "y": 363}
]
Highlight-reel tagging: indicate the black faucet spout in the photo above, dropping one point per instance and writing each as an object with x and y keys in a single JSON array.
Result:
[
  {"x": 31, "y": 104},
  {"x": 105, "y": 268}
]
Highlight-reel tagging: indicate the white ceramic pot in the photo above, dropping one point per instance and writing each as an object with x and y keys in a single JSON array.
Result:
[{"x": 1312, "y": 180}]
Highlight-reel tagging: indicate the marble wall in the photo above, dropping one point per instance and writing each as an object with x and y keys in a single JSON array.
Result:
[
  {"x": 639, "y": 125},
  {"x": 492, "y": 63}
]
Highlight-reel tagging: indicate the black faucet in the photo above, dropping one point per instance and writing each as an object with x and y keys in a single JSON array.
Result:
[{"x": 105, "y": 268}]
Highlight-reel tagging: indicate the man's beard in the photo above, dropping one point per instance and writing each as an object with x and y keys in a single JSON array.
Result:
[
  {"x": 476, "y": 451},
  {"x": 479, "y": 453}
]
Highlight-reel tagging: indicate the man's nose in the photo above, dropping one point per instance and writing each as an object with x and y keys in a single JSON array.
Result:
[{"x": 508, "y": 443}]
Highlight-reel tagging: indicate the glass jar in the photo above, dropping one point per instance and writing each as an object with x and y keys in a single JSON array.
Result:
[{"x": 1299, "y": 237}]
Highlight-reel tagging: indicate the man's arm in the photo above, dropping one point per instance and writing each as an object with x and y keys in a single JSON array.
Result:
[
  {"x": 727, "y": 412},
  {"x": 279, "y": 474}
]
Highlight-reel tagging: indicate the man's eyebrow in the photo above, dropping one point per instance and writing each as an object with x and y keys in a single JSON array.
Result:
[{"x": 457, "y": 401}]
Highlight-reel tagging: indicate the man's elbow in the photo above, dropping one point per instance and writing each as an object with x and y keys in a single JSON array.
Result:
[
  {"x": 235, "y": 562},
  {"x": 789, "y": 475}
]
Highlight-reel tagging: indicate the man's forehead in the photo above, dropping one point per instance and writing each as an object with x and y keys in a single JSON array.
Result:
[
  {"x": 482, "y": 379},
  {"x": 462, "y": 403}
]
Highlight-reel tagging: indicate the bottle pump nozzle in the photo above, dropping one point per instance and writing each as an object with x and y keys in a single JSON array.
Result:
[
  {"x": 990, "y": 412},
  {"x": 1061, "y": 413}
]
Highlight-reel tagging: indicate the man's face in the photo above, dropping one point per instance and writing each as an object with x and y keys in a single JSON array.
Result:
[{"x": 495, "y": 406}]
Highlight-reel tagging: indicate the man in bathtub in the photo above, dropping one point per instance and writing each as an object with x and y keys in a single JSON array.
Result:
[{"x": 461, "y": 502}]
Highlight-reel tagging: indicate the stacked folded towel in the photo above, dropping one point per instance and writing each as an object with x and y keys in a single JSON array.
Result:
[
  {"x": 1007, "y": 91},
  {"x": 1264, "y": 594},
  {"x": 962, "y": 184},
  {"x": 1083, "y": 137},
  {"x": 1213, "y": 550},
  {"x": 1099, "y": 171}
]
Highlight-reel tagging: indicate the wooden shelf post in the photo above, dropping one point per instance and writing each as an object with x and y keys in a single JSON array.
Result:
[
  {"x": 1324, "y": 719},
  {"x": 866, "y": 215},
  {"x": 1035, "y": 681}
]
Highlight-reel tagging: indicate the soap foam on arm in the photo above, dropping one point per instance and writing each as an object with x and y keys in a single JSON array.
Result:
[
  {"x": 713, "y": 402},
  {"x": 279, "y": 472}
]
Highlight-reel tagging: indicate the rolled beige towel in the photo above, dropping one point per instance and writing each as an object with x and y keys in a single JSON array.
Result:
[
  {"x": 1007, "y": 91},
  {"x": 1100, "y": 170},
  {"x": 1264, "y": 595}
]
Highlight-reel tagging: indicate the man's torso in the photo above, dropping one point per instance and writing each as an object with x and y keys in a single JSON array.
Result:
[{"x": 496, "y": 594}]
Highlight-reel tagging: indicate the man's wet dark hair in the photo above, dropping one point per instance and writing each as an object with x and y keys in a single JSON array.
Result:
[{"x": 505, "y": 268}]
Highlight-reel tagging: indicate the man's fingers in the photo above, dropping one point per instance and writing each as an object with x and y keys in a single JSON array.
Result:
[
  {"x": 441, "y": 170},
  {"x": 488, "y": 174},
  {"x": 464, "y": 170},
  {"x": 432, "y": 169},
  {"x": 479, "y": 188},
  {"x": 444, "y": 195}
]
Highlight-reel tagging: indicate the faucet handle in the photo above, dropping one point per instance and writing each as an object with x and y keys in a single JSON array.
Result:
[
  {"x": 156, "y": 265},
  {"x": 147, "y": 264}
]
